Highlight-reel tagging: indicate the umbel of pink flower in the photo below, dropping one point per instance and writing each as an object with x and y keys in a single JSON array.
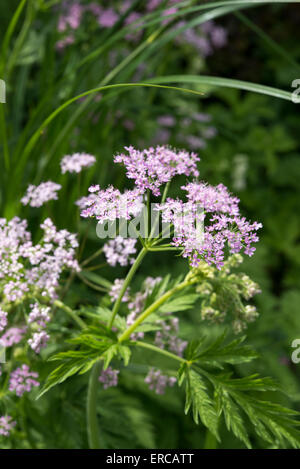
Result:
[
  {"x": 120, "y": 251},
  {"x": 23, "y": 380},
  {"x": 109, "y": 377},
  {"x": 36, "y": 196},
  {"x": 26, "y": 267},
  {"x": 158, "y": 382},
  {"x": 12, "y": 336},
  {"x": 76, "y": 162},
  {"x": 155, "y": 166},
  {"x": 208, "y": 223},
  {"x": 6, "y": 425}
]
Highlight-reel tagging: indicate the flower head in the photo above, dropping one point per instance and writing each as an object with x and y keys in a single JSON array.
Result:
[
  {"x": 158, "y": 382},
  {"x": 39, "y": 314},
  {"x": 6, "y": 425},
  {"x": 23, "y": 380},
  {"x": 116, "y": 289},
  {"x": 209, "y": 223},
  {"x": 109, "y": 377},
  {"x": 76, "y": 162},
  {"x": 33, "y": 268},
  {"x": 36, "y": 196},
  {"x": 12, "y": 336},
  {"x": 108, "y": 18},
  {"x": 38, "y": 341},
  {"x": 153, "y": 167},
  {"x": 120, "y": 251}
]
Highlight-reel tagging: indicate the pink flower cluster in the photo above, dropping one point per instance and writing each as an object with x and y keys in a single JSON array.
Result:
[
  {"x": 76, "y": 162},
  {"x": 153, "y": 167},
  {"x": 39, "y": 315},
  {"x": 120, "y": 251},
  {"x": 23, "y": 380},
  {"x": 6, "y": 425},
  {"x": 71, "y": 18},
  {"x": 109, "y": 377},
  {"x": 168, "y": 338},
  {"x": 36, "y": 196},
  {"x": 107, "y": 18},
  {"x": 12, "y": 336},
  {"x": 116, "y": 289},
  {"x": 38, "y": 341},
  {"x": 158, "y": 382},
  {"x": 25, "y": 267},
  {"x": 215, "y": 209},
  {"x": 204, "y": 38}
]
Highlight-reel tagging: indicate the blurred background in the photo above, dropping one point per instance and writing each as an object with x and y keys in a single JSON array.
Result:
[{"x": 247, "y": 141}]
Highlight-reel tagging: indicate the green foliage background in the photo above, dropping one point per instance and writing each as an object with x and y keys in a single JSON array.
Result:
[{"x": 263, "y": 128}]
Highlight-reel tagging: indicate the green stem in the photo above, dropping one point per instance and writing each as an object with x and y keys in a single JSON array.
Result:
[
  {"x": 95, "y": 267},
  {"x": 92, "y": 257},
  {"x": 68, "y": 284},
  {"x": 163, "y": 199},
  {"x": 160, "y": 301},
  {"x": 92, "y": 421},
  {"x": 161, "y": 351},
  {"x": 70, "y": 312},
  {"x": 9, "y": 33},
  {"x": 82, "y": 246},
  {"x": 166, "y": 248},
  {"x": 211, "y": 441},
  {"x": 92, "y": 285},
  {"x": 127, "y": 281}
]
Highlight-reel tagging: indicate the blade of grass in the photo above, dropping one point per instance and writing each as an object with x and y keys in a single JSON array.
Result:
[
  {"x": 35, "y": 137},
  {"x": 111, "y": 75},
  {"x": 30, "y": 13},
  {"x": 224, "y": 82},
  {"x": 3, "y": 134},
  {"x": 267, "y": 39},
  {"x": 9, "y": 32}
]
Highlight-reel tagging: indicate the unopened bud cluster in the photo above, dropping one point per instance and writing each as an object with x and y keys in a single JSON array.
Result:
[{"x": 224, "y": 293}]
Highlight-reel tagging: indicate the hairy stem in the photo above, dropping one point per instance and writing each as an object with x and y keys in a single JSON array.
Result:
[{"x": 92, "y": 421}]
